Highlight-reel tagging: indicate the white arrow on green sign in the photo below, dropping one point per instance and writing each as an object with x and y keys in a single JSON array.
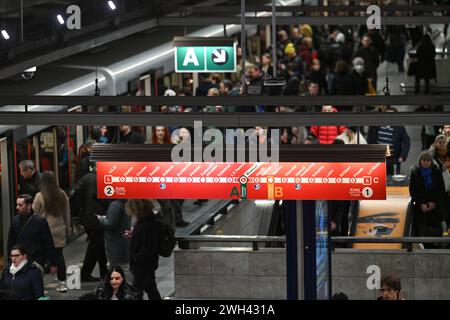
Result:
[{"x": 205, "y": 55}]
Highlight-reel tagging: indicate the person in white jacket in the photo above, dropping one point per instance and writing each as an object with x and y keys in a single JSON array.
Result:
[{"x": 350, "y": 136}]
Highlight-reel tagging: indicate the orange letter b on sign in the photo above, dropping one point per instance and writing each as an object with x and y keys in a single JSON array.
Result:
[{"x": 278, "y": 192}]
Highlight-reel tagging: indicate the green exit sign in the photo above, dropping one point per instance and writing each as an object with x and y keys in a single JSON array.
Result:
[{"x": 205, "y": 54}]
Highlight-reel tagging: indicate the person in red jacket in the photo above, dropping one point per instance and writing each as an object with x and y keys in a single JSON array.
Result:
[{"x": 327, "y": 134}]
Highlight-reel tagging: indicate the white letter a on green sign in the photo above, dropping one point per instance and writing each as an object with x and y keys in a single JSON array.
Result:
[{"x": 190, "y": 58}]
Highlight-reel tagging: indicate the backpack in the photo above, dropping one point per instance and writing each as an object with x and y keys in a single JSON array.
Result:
[{"x": 167, "y": 240}]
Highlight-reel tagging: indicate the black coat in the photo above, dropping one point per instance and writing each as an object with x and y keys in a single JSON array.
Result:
[
  {"x": 360, "y": 84},
  {"x": 402, "y": 142},
  {"x": 420, "y": 195},
  {"x": 36, "y": 237},
  {"x": 426, "y": 66},
  {"x": 371, "y": 60},
  {"x": 132, "y": 138},
  {"x": 30, "y": 186},
  {"x": 144, "y": 245},
  {"x": 343, "y": 84},
  {"x": 84, "y": 201},
  {"x": 129, "y": 293},
  {"x": 27, "y": 284}
]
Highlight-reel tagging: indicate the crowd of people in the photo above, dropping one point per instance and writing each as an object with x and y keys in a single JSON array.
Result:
[{"x": 123, "y": 235}]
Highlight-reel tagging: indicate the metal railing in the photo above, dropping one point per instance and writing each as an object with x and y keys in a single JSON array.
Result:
[{"x": 185, "y": 242}]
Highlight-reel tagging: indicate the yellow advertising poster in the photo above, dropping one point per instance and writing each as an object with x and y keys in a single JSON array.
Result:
[{"x": 383, "y": 218}]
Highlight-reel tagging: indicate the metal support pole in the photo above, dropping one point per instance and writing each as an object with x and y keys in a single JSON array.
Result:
[
  {"x": 21, "y": 21},
  {"x": 243, "y": 55},
  {"x": 292, "y": 274},
  {"x": 274, "y": 41}
]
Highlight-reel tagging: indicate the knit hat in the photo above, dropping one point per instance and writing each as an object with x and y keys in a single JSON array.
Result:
[{"x": 289, "y": 50}]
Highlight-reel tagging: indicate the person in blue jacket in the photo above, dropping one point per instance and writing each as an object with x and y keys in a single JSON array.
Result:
[{"x": 21, "y": 279}]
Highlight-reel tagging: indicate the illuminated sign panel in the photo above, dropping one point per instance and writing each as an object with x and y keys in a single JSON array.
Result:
[
  {"x": 205, "y": 54},
  {"x": 234, "y": 180}
]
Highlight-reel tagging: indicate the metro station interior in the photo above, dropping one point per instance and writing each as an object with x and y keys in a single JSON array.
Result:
[{"x": 354, "y": 196}]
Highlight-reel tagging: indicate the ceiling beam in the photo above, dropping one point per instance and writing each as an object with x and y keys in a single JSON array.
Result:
[
  {"x": 305, "y": 8},
  {"x": 402, "y": 100},
  {"x": 201, "y": 21},
  {"x": 226, "y": 119}
]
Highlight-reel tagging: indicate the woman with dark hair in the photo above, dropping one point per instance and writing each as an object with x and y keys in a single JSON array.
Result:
[
  {"x": 21, "y": 279},
  {"x": 144, "y": 247},
  {"x": 52, "y": 204},
  {"x": 427, "y": 193},
  {"x": 114, "y": 287},
  {"x": 161, "y": 135}
]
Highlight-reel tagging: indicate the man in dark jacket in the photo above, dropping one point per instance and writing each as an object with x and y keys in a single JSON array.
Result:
[
  {"x": 371, "y": 58},
  {"x": 30, "y": 179},
  {"x": 21, "y": 279},
  {"x": 396, "y": 138},
  {"x": 85, "y": 194},
  {"x": 32, "y": 232},
  {"x": 128, "y": 135},
  {"x": 426, "y": 65}
]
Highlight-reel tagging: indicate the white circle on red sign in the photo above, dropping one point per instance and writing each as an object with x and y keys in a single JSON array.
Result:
[
  {"x": 216, "y": 180},
  {"x": 352, "y": 180},
  {"x": 270, "y": 180},
  {"x": 311, "y": 180},
  {"x": 229, "y": 180},
  {"x": 149, "y": 179},
  {"x": 283, "y": 180},
  {"x": 339, "y": 180},
  {"x": 135, "y": 179},
  {"x": 325, "y": 180},
  {"x": 189, "y": 179},
  {"x": 367, "y": 192},
  {"x": 176, "y": 179},
  {"x": 109, "y": 191},
  {"x": 122, "y": 179},
  {"x": 202, "y": 179},
  {"x": 298, "y": 180},
  {"x": 256, "y": 180},
  {"x": 243, "y": 180},
  {"x": 162, "y": 179}
]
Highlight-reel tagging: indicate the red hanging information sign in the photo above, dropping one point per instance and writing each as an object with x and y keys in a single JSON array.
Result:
[{"x": 234, "y": 180}]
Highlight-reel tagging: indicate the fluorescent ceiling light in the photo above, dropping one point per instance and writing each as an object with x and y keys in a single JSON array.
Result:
[
  {"x": 60, "y": 19},
  {"x": 5, "y": 34},
  {"x": 112, "y": 5}
]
